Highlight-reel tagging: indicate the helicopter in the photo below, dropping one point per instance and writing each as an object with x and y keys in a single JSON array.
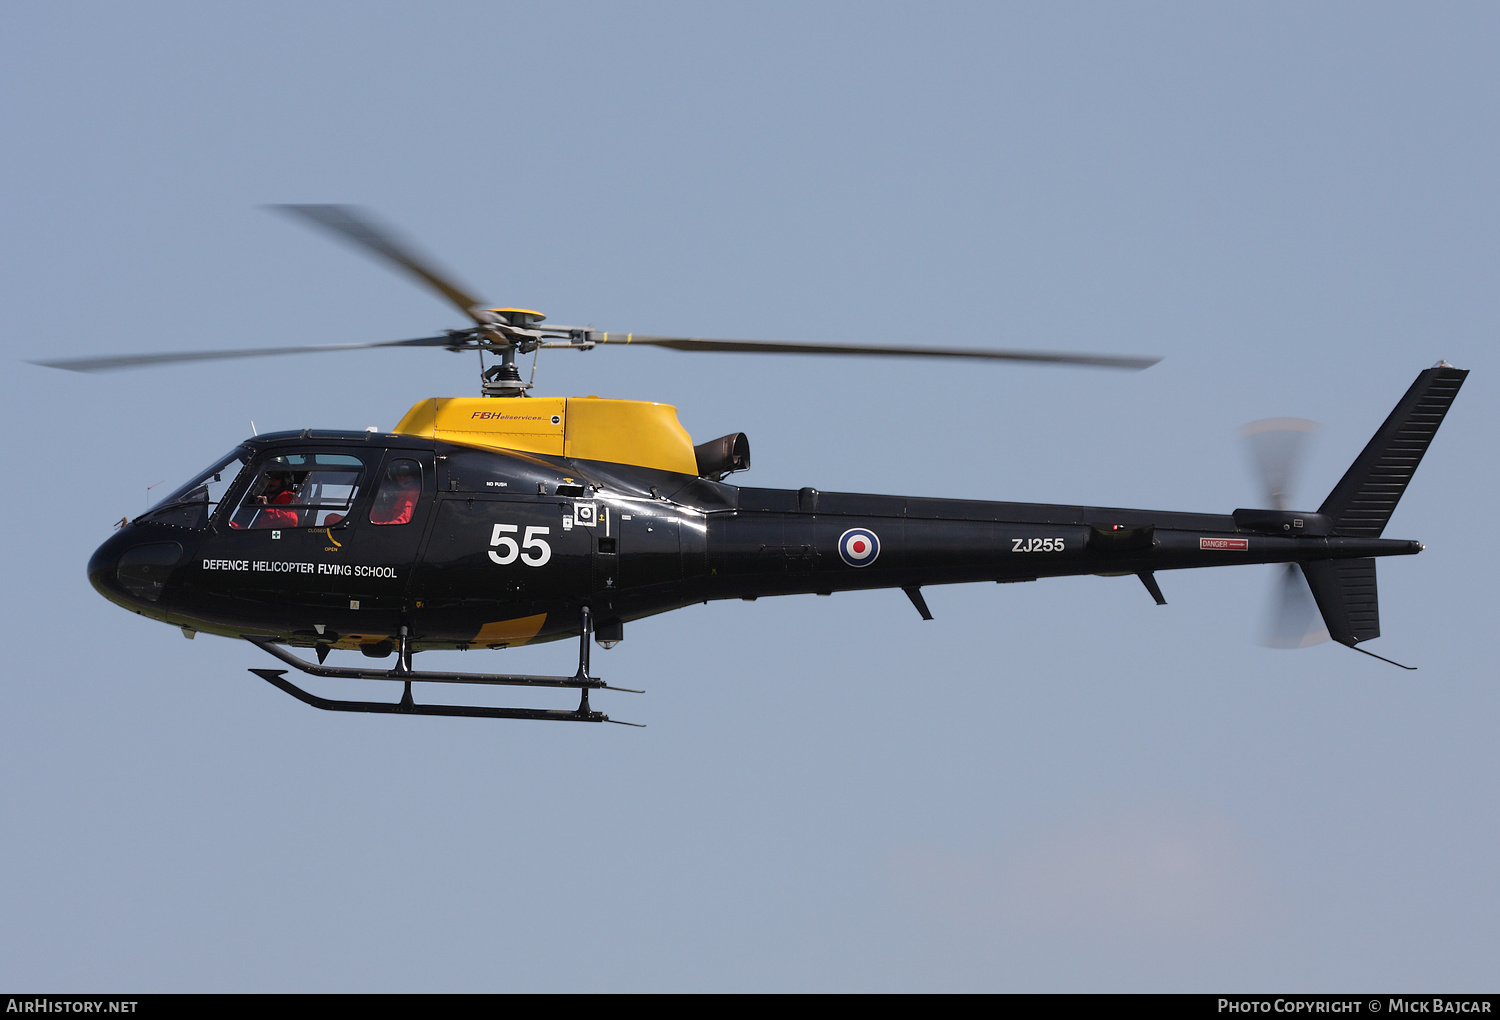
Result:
[{"x": 509, "y": 519}]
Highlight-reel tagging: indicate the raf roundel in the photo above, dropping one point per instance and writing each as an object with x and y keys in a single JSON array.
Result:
[{"x": 858, "y": 547}]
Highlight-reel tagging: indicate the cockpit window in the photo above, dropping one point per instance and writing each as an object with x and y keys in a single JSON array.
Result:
[
  {"x": 192, "y": 505},
  {"x": 301, "y": 490}
]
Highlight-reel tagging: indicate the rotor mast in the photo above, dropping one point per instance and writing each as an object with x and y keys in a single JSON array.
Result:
[{"x": 510, "y": 332}]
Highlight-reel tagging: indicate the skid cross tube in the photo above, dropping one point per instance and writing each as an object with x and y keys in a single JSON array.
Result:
[{"x": 404, "y": 673}]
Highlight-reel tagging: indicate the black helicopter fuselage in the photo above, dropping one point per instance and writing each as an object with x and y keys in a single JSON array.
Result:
[
  {"x": 491, "y": 549},
  {"x": 508, "y": 519}
]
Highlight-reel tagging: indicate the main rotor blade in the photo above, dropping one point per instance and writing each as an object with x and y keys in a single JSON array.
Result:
[
  {"x": 1277, "y": 446},
  {"x": 679, "y": 343},
  {"x": 355, "y": 225},
  {"x": 1294, "y": 620},
  {"x": 108, "y": 364}
]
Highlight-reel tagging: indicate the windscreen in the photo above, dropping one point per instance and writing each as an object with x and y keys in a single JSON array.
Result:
[{"x": 193, "y": 504}]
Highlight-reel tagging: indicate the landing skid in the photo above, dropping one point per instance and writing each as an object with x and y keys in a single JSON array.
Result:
[{"x": 403, "y": 672}]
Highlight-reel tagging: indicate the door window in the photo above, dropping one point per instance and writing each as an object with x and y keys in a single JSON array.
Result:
[
  {"x": 301, "y": 490},
  {"x": 400, "y": 488}
]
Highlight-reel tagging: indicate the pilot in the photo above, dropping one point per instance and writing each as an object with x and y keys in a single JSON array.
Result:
[
  {"x": 397, "y": 499},
  {"x": 281, "y": 489}
]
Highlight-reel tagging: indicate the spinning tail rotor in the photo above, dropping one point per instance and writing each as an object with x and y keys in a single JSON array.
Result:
[{"x": 1277, "y": 447}]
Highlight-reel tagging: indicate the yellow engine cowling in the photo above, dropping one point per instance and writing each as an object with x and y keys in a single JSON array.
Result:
[{"x": 635, "y": 432}]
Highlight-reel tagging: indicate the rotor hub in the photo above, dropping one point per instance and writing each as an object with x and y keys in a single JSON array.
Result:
[{"x": 520, "y": 317}]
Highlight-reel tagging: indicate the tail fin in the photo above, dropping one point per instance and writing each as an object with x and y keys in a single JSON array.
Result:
[
  {"x": 1361, "y": 504},
  {"x": 1345, "y": 593}
]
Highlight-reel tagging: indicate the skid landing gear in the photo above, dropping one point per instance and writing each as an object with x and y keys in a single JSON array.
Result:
[{"x": 403, "y": 672}]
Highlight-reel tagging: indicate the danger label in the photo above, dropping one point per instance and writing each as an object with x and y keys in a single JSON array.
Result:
[{"x": 1237, "y": 544}]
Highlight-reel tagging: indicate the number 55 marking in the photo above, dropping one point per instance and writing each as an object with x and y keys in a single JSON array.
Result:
[{"x": 533, "y": 550}]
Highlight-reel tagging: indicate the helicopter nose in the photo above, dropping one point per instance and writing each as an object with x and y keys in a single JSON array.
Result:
[
  {"x": 133, "y": 568},
  {"x": 103, "y": 564}
]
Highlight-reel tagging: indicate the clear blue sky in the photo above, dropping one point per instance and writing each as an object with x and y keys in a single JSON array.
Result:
[{"x": 1050, "y": 786}]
